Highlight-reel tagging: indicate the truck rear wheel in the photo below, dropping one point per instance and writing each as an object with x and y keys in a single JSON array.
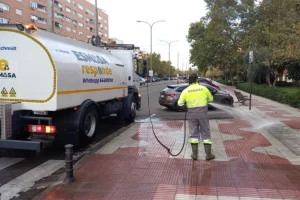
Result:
[
  {"x": 89, "y": 123},
  {"x": 132, "y": 115}
]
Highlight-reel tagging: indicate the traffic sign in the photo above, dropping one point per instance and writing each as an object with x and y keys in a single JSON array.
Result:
[
  {"x": 150, "y": 72},
  {"x": 251, "y": 57}
]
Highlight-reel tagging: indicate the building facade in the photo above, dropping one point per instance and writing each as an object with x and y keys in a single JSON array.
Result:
[{"x": 70, "y": 18}]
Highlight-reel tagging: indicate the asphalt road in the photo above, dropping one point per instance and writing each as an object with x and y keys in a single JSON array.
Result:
[{"x": 159, "y": 112}]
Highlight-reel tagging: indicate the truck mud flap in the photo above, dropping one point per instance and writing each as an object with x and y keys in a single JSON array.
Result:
[{"x": 19, "y": 144}]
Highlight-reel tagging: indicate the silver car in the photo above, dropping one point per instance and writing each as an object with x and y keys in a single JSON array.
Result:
[{"x": 170, "y": 95}]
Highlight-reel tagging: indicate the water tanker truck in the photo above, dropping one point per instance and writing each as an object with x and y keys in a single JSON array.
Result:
[{"x": 55, "y": 89}]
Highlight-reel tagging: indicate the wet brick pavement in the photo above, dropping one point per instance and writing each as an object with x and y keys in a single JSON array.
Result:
[
  {"x": 147, "y": 172},
  {"x": 250, "y": 164}
]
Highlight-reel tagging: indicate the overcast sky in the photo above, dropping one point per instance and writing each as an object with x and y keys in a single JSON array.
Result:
[{"x": 178, "y": 14}]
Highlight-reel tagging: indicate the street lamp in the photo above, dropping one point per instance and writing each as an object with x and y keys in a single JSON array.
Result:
[
  {"x": 151, "y": 26},
  {"x": 169, "y": 43}
]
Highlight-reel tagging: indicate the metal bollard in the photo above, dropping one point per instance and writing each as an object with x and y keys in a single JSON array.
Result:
[{"x": 69, "y": 164}]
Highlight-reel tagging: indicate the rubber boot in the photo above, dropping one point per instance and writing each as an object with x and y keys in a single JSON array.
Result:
[
  {"x": 195, "y": 151},
  {"x": 209, "y": 155}
]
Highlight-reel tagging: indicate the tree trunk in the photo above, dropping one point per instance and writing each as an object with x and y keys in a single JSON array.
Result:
[
  {"x": 259, "y": 78},
  {"x": 275, "y": 80},
  {"x": 268, "y": 77}
]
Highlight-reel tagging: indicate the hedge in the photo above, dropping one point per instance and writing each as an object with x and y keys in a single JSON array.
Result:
[
  {"x": 273, "y": 93},
  {"x": 219, "y": 80}
]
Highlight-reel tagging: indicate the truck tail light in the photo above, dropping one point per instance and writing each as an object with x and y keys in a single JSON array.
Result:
[{"x": 41, "y": 129}]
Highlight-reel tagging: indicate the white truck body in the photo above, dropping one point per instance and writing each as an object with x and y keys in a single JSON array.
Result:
[
  {"x": 56, "y": 89},
  {"x": 49, "y": 72}
]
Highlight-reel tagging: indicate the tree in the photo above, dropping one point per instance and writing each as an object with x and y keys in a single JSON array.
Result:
[
  {"x": 233, "y": 27},
  {"x": 161, "y": 68}
]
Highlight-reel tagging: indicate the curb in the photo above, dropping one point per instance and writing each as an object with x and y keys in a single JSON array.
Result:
[{"x": 78, "y": 164}]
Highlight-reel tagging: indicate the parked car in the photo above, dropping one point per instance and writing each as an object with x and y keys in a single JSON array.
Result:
[
  {"x": 142, "y": 81},
  {"x": 170, "y": 96},
  {"x": 182, "y": 79},
  {"x": 207, "y": 82}
]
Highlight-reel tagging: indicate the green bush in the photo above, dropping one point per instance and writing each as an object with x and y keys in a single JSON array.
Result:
[
  {"x": 220, "y": 80},
  {"x": 278, "y": 94},
  {"x": 284, "y": 84}
]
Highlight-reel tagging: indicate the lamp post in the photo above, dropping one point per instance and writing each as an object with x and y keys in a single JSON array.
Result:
[
  {"x": 151, "y": 26},
  {"x": 97, "y": 23},
  {"x": 169, "y": 43}
]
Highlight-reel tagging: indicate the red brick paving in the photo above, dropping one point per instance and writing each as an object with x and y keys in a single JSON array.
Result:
[
  {"x": 291, "y": 121},
  {"x": 126, "y": 175}
]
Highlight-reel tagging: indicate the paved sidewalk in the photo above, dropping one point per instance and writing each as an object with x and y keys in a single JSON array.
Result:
[{"x": 255, "y": 159}]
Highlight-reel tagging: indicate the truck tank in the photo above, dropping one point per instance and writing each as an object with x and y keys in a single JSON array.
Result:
[{"x": 46, "y": 72}]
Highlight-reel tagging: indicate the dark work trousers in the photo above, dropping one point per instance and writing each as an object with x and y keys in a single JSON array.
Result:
[{"x": 199, "y": 123}]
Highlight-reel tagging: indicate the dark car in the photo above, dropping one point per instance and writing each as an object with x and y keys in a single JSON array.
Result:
[
  {"x": 170, "y": 96},
  {"x": 207, "y": 82}
]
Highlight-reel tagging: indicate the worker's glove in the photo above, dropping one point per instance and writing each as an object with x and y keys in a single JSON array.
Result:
[{"x": 182, "y": 108}]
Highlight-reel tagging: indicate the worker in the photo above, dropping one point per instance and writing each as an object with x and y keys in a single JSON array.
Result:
[{"x": 196, "y": 98}]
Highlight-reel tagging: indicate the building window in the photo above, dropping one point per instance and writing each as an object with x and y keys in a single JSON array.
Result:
[
  {"x": 105, "y": 21},
  {"x": 74, "y": 3},
  {"x": 34, "y": 18},
  {"x": 18, "y": 12},
  {"x": 80, "y": 33},
  {"x": 88, "y": 11},
  {"x": 80, "y": 24},
  {"x": 39, "y": 19},
  {"x": 58, "y": 5},
  {"x": 19, "y": 23},
  {"x": 73, "y": 12},
  {"x": 105, "y": 35},
  {"x": 80, "y": 6},
  {"x": 41, "y": 8},
  {"x": 42, "y": 20},
  {"x": 68, "y": 29},
  {"x": 58, "y": 15},
  {"x": 80, "y": 15},
  {"x": 99, "y": 17},
  {"x": 58, "y": 25},
  {"x": 68, "y": 9},
  {"x": 19, "y": 0},
  {"x": 4, "y": 20},
  {"x": 4, "y": 6},
  {"x": 74, "y": 31},
  {"x": 105, "y": 28},
  {"x": 69, "y": 1},
  {"x": 68, "y": 19}
]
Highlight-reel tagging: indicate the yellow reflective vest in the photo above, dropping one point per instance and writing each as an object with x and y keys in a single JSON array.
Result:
[{"x": 195, "y": 96}]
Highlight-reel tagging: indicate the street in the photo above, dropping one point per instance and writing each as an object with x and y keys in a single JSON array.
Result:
[{"x": 17, "y": 167}]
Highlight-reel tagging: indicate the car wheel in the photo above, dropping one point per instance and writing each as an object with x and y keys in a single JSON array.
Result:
[
  {"x": 176, "y": 107},
  {"x": 226, "y": 102}
]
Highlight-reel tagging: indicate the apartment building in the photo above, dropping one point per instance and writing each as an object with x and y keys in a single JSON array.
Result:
[{"x": 71, "y": 18}]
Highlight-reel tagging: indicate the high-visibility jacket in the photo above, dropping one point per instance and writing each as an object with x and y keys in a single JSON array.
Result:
[{"x": 195, "y": 96}]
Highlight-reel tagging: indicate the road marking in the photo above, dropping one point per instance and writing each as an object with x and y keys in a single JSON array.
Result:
[
  {"x": 6, "y": 162},
  {"x": 26, "y": 181}
]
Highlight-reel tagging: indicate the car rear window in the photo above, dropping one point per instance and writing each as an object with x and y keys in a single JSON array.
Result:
[{"x": 169, "y": 88}]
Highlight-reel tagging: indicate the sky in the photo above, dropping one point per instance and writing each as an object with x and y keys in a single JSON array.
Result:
[{"x": 178, "y": 14}]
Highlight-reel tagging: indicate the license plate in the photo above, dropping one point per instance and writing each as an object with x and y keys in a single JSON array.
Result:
[{"x": 162, "y": 96}]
